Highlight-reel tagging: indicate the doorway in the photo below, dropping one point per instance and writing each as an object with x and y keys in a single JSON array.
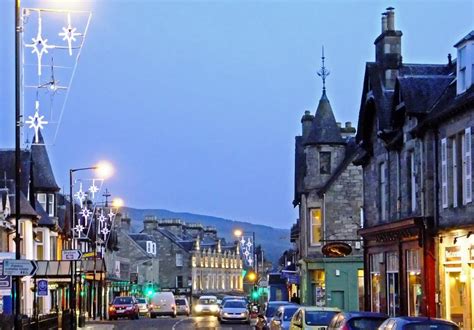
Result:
[{"x": 338, "y": 299}]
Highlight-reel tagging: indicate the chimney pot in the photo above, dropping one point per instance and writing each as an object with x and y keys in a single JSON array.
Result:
[
  {"x": 390, "y": 19},
  {"x": 384, "y": 22},
  {"x": 450, "y": 62}
]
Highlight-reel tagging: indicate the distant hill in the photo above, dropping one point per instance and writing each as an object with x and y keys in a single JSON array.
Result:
[{"x": 273, "y": 240}]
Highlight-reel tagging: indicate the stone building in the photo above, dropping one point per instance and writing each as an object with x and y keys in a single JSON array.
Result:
[
  {"x": 415, "y": 139},
  {"x": 328, "y": 192}
]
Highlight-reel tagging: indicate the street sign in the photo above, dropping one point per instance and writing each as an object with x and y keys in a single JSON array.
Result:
[
  {"x": 19, "y": 267},
  {"x": 5, "y": 281},
  {"x": 42, "y": 288},
  {"x": 71, "y": 255}
]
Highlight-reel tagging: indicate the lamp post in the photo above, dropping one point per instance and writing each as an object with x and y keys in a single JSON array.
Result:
[
  {"x": 239, "y": 233},
  {"x": 104, "y": 170}
]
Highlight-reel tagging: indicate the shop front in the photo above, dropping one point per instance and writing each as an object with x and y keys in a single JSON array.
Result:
[
  {"x": 399, "y": 269},
  {"x": 456, "y": 277}
]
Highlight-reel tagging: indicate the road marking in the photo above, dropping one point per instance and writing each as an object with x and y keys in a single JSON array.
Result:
[{"x": 174, "y": 325}]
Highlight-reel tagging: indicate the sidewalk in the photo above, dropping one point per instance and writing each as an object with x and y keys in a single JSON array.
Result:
[{"x": 97, "y": 326}]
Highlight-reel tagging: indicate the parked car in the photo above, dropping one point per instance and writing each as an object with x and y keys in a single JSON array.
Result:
[
  {"x": 357, "y": 321},
  {"x": 162, "y": 303},
  {"x": 282, "y": 317},
  {"x": 123, "y": 307},
  {"x": 234, "y": 310},
  {"x": 182, "y": 306},
  {"x": 272, "y": 306},
  {"x": 207, "y": 305},
  {"x": 142, "y": 306},
  {"x": 312, "y": 317},
  {"x": 417, "y": 323}
]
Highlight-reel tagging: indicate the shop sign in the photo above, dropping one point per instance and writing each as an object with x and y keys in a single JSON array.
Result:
[
  {"x": 336, "y": 249},
  {"x": 453, "y": 254}
]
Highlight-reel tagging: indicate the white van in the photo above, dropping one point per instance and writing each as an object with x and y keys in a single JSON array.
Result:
[{"x": 162, "y": 303}]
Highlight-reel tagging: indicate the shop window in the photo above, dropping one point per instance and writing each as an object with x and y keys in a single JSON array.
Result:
[
  {"x": 393, "y": 291},
  {"x": 319, "y": 287},
  {"x": 360, "y": 284},
  {"x": 414, "y": 280},
  {"x": 455, "y": 299},
  {"x": 376, "y": 262},
  {"x": 316, "y": 226}
]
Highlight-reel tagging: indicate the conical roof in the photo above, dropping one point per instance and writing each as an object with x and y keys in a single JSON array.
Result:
[
  {"x": 43, "y": 176},
  {"x": 324, "y": 129}
]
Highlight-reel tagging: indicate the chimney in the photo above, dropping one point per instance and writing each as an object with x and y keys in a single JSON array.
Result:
[
  {"x": 388, "y": 53},
  {"x": 193, "y": 229},
  {"x": 211, "y": 232},
  {"x": 175, "y": 226},
  {"x": 306, "y": 122},
  {"x": 150, "y": 223},
  {"x": 384, "y": 22},
  {"x": 390, "y": 19},
  {"x": 348, "y": 124},
  {"x": 125, "y": 224}
]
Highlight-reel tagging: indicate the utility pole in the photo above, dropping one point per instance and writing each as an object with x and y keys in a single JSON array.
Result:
[{"x": 18, "y": 28}]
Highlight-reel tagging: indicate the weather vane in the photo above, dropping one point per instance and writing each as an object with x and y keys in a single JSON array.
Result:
[{"x": 323, "y": 73}]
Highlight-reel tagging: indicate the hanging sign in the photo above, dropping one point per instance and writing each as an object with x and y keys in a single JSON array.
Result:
[
  {"x": 336, "y": 249},
  {"x": 42, "y": 288}
]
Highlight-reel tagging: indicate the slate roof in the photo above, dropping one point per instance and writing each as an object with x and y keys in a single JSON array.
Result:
[
  {"x": 469, "y": 36},
  {"x": 409, "y": 74},
  {"x": 44, "y": 218},
  {"x": 7, "y": 167},
  {"x": 25, "y": 207},
  {"x": 420, "y": 92},
  {"x": 43, "y": 177},
  {"x": 324, "y": 129}
]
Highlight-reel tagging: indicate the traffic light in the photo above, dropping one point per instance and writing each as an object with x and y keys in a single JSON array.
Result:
[
  {"x": 255, "y": 293},
  {"x": 149, "y": 290}
]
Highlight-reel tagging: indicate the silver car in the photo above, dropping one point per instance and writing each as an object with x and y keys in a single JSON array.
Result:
[
  {"x": 142, "y": 306},
  {"x": 282, "y": 318},
  {"x": 234, "y": 310}
]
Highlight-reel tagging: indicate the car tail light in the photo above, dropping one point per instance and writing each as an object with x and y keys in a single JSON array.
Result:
[
  {"x": 112, "y": 308},
  {"x": 345, "y": 327}
]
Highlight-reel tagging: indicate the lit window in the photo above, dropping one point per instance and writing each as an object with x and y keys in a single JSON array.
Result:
[
  {"x": 39, "y": 245},
  {"x": 316, "y": 224}
]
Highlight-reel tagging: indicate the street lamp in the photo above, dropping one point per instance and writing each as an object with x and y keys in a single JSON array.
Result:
[
  {"x": 104, "y": 170},
  {"x": 240, "y": 233}
]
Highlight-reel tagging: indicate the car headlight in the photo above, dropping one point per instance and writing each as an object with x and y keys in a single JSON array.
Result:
[
  {"x": 129, "y": 308},
  {"x": 214, "y": 308},
  {"x": 198, "y": 308},
  {"x": 243, "y": 314}
]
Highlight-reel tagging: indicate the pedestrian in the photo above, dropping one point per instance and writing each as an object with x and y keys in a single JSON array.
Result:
[{"x": 295, "y": 299}]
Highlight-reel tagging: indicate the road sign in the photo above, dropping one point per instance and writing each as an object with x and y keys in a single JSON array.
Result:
[
  {"x": 5, "y": 281},
  {"x": 42, "y": 288},
  {"x": 71, "y": 254},
  {"x": 20, "y": 267}
]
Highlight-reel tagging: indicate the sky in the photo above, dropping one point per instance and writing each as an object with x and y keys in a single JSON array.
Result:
[{"x": 197, "y": 103}]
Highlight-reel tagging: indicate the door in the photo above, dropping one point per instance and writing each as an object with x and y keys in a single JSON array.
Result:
[{"x": 338, "y": 299}]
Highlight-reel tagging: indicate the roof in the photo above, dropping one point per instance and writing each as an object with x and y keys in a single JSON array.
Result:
[
  {"x": 469, "y": 36},
  {"x": 25, "y": 207},
  {"x": 43, "y": 177},
  {"x": 324, "y": 129},
  {"x": 419, "y": 93},
  {"x": 7, "y": 168},
  {"x": 45, "y": 219}
]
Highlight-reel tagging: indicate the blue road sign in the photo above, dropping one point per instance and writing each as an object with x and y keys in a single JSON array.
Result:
[
  {"x": 5, "y": 280},
  {"x": 42, "y": 288}
]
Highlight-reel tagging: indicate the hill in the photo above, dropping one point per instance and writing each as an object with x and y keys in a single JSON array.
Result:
[{"x": 273, "y": 240}]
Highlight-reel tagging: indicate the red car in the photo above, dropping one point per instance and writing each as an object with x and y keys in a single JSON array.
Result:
[{"x": 124, "y": 307}]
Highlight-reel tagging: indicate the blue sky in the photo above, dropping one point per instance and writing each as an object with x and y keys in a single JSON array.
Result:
[{"x": 197, "y": 102}]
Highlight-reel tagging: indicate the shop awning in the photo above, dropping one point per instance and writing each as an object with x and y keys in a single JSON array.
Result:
[{"x": 61, "y": 269}]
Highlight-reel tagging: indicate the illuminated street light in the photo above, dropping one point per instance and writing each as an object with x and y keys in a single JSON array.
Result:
[
  {"x": 238, "y": 232},
  {"x": 104, "y": 170},
  {"x": 117, "y": 202}
]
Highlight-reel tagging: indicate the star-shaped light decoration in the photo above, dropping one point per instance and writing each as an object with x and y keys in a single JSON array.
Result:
[
  {"x": 242, "y": 241},
  {"x": 86, "y": 213},
  {"x": 93, "y": 189},
  {"x": 80, "y": 195},
  {"x": 102, "y": 217},
  {"x": 69, "y": 34},
  {"x": 36, "y": 122},
  {"x": 40, "y": 46},
  {"x": 111, "y": 215},
  {"x": 79, "y": 228},
  {"x": 250, "y": 261},
  {"x": 249, "y": 244},
  {"x": 246, "y": 253},
  {"x": 105, "y": 232}
]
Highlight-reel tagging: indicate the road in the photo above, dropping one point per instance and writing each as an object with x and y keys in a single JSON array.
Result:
[{"x": 167, "y": 323}]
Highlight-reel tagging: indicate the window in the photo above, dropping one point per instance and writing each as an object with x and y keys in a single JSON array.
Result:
[
  {"x": 411, "y": 171},
  {"x": 179, "y": 260},
  {"x": 179, "y": 281},
  {"x": 151, "y": 247},
  {"x": 467, "y": 166},
  {"x": 415, "y": 294},
  {"x": 455, "y": 168},
  {"x": 376, "y": 262},
  {"x": 444, "y": 173},
  {"x": 42, "y": 199},
  {"x": 462, "y": 77},
  {"x": 39, "y": 245},
  {"x": 319, "y": 287},
  {"x": 316, "y": 225},
  {"x": 383, "y": 189},
  {"x": 54, "y": 247},
  {"x": 393, "y": 294},
  {"x": 50, "y": 205},
  {"x": 325, "y": 162}
]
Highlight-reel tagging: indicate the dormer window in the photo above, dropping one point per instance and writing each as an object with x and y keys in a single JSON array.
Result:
[
  {"x": 47, "y": 202},
  {"x": 151, "y": 247},
  {"x": 465, "y": 63}
]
